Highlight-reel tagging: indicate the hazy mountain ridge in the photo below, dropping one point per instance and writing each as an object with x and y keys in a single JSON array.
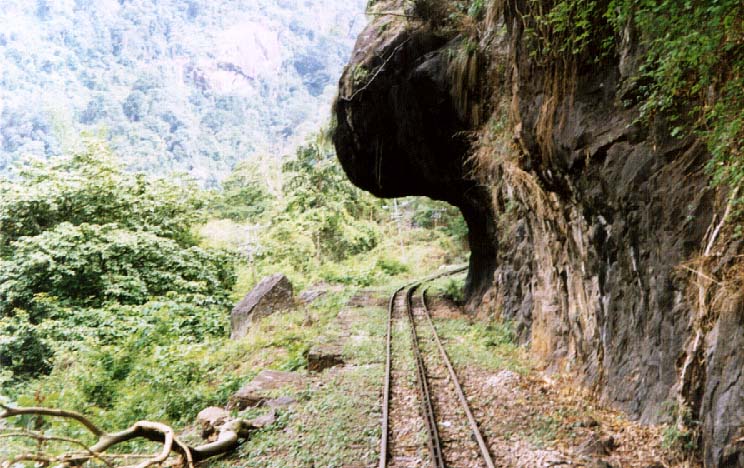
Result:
[{"x": 177, "y": 86}]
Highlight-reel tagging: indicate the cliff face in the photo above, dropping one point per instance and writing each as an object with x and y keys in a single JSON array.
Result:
[{"x": 597, "y": 236}]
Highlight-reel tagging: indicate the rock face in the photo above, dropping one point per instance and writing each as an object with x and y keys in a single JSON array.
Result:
[
  {"x": 272, "y": 294},
  {"x": 597, "y": 236},
  {"x": 400, "y": 133}
]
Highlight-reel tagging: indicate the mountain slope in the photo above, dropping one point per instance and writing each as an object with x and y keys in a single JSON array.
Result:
[{"x": 175, "y": 85}]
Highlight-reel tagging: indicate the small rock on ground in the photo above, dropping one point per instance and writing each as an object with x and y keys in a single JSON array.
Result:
[
  {"x": 280, "y": 402},
  {"x": 256, "y": 391},
  {"x": 209, "y": 419},
  {"x": 505, "y": 378},
  {"x": 322, "y": 357}
]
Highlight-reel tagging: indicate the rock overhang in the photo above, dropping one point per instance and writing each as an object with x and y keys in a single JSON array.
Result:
[{"x": 399, "y": 131}]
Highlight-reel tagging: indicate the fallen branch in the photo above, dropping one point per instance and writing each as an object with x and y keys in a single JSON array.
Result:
[
  {"x": 228, "y": 439},
  {"x": 9, "y": 412}
]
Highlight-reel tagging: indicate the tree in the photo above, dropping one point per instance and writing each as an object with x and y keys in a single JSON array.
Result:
[
  {"x": 80, "y": 233},
  {"x": 245, "y": 194},
  {"x": 324, "y": 215}
]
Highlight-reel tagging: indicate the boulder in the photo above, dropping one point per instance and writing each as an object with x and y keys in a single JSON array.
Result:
[
  {"x": 272, "y": 294},
  {"x": 258, "y": 390}
]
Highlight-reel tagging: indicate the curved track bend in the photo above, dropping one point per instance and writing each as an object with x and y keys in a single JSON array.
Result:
[{"x": 426, "y": 418}]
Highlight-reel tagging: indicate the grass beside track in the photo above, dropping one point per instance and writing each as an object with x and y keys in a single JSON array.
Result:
[{"x": 336, "y": 420}]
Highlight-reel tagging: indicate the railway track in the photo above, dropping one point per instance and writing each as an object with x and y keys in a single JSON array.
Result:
[{"x": 426, "y": 419}]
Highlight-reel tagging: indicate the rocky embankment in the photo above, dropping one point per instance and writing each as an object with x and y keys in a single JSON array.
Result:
[{"x": 598, "y": 236}]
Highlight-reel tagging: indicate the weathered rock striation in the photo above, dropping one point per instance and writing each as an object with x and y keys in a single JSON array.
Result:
[{"x": 599, "y": 237}]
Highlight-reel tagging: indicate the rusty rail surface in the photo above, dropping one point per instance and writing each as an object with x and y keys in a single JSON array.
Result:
[
  {"x": 427, "y": 407},
  {"x": 464, "y": 401}
]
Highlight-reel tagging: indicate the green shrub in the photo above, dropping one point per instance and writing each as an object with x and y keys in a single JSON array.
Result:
[
  {"x": 91, "y": 264},
  {"x": 91, "y": 256},
  {"x": 245, "y": 195},
  {"x": 391, "y": 267},
  {"x": 91, "y": 187},
  {"x": 22, "y": 350},
  {"x": 324, "y": 218},
  {"x": 454, "y": 288},
  {"x": 84, "y": 231},
  {"x": 475, "y": 9}
]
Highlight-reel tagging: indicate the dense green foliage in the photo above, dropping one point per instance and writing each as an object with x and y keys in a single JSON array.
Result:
[
  {"x": 91, "y": 187},
  {"x": 80, "y": 238},
  {"x": 305, "y": 219},
  {"x": 245, "y": 194},
  {"x": 320, "y": 227},
  {"x": 438, "y": 216},
  {"x": 192, "y": 86},
  {"x": 94, "y": 264},
  {"x": 694, "y": 73},
  {"x": 111, "y": 304},
  {"x": 84, "y": 231},
  {"x": 323, "y": 216}
]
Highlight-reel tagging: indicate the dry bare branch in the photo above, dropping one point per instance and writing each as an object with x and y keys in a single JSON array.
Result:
[
  {"x": 10, "y": 412},
  {"x": 228, "y": 439}
]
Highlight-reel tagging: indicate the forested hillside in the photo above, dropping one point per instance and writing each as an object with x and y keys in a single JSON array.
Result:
[{"x": 191, "y": 86}]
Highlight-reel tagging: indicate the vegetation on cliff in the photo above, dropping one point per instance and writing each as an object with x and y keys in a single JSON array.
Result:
[
  {"x": 687, "y": 68},
  {"x": 690, "y": 65}
]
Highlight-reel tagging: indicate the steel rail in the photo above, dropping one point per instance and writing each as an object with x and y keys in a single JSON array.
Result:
[
  {"x": 464, "y": 401},
  {"x": 384, "y": 439},
  {"x": 386, "y": 390},
  {"x": 435, "y": 445}
]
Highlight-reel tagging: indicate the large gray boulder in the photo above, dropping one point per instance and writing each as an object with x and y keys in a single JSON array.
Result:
[{"x": 272, "y": 294}]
